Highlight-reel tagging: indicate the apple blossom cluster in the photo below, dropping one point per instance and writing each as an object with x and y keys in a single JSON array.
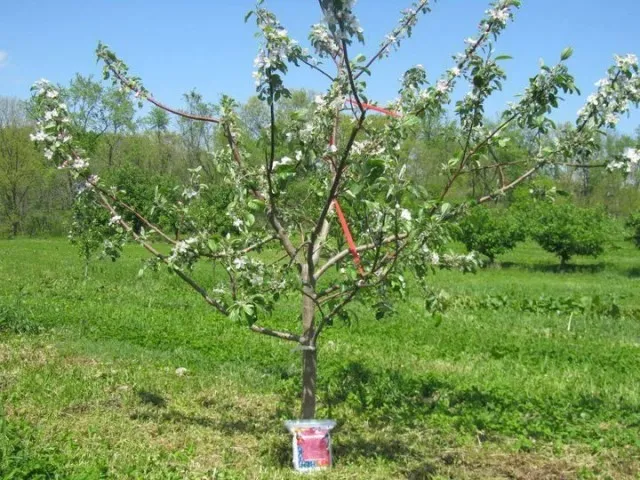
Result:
[
  {"x": 118, "y": 71},
  {"x": 615, "y": 92},
  {"x": 628, "y": 161},
  {"x": 194, "y": 187},
  {"x": 404, "y": 27},
  {"x": 53, "y": 132},
  {"x": 323, "y": 41},
  {"x": 541, "y": 96},
  {"x": 483, "y": 73},
  {"x": 274, "y": 54},
  {"x": 342, "y": 23}
]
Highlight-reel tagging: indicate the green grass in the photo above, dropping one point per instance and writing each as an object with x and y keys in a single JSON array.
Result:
[{"x": 488, "y": 390}]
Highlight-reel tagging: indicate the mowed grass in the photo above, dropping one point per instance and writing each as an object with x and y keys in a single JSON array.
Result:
[{"x": 489, "y": 390}]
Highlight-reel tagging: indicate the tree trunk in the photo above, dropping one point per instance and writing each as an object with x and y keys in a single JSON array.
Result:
[
  {"x": 309, "y": 373},
  {"x": 309, "y": 354},
  {"x": 563, "y": 261}
]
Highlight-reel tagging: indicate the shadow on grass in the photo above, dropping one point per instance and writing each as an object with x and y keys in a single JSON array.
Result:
[
  {"x": 151, "y": 398},
  {"x": 555, "y": 268},
  {"x": 250, "y": 425},
  {"x": 354, "y": 446},
  {"x": 634, "y": 272}
]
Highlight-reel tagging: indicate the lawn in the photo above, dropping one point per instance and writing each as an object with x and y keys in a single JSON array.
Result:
[{"x": 518, "y": 371}]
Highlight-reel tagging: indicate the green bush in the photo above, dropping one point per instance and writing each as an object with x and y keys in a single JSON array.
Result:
[
  {"x": 634, "y": 224},
  {"x": 567, "y": 230},
  {"x": 490, "y": 231}
]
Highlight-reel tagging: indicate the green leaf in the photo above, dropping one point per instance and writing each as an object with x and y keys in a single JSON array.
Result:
[
  {"x": 566, "y": 54},
  {"x": 359, "y": 58},
  {"x": 503, "y": 57}
]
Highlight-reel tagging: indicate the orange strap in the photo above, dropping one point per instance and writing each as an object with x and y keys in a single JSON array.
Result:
[
  {"x": 348, "y": 237},
  {"x": 341, "y": 218}
]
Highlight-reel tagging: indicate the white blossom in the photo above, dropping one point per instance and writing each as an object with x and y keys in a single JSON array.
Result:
[
  {"x": 39, "y": 136},
  {"x": 79, "y": 164},
  {"x": 92, "y": 180},
  {"x": 442, "y": 86},
  {"x": 114, "y": 220},
  {"x": 239, "y": 263},
  {"x": 611, "y": 119},
  {"x": 50, "y": 114},
  {"x": 626, "y": 61},
  {"x": 499, "y": 14},
  {"x": 632, "y": 154},
  {"x": 405, "y": 215},
  {"x": 281, "y": 162},
  {"x": 189, "y": 193}
]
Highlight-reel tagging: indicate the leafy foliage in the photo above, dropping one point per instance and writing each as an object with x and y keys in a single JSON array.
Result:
[
  {"x": 633, "y": 223},
  {"x": 490, "y": 231},
  {"x": 567, "y": 230}
]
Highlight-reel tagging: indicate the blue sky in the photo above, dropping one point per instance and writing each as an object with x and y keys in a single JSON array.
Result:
[{"x": 176, "y": 46}]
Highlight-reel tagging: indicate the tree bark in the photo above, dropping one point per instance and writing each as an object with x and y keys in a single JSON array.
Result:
[
  {"x": 309, "y": 374},
  {"x": 309, "y": 354}
]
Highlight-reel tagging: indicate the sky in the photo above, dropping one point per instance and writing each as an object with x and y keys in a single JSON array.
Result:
[{"x": 205, "y": 44}]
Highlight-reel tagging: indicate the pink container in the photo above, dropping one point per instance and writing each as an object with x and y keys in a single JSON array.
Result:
[{"x": 311, "y": 444}]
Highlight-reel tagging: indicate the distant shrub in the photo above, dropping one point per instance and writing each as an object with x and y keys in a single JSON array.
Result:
[
  {"x": 567, "y": 230},
  {"x": 490, "y": 231},
  {"x": 16, "y": 318},
  {"x": 634, "y": 224}
]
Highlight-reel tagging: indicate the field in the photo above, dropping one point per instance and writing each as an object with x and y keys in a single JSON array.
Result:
[{"x": 519, "y": 371}]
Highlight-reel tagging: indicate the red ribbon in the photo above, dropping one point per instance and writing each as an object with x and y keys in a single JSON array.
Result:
[{"x": 341, "y": 218}]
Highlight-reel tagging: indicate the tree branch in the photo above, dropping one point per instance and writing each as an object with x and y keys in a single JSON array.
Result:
[
  {"x": 388, "y": 43},
  {"x": 362, "y": 248},
  {"x": 517, "y": 181},
  {"x": 277, "y": 334},
  {"x": 203, "y": 293},
  {"x": 181, "y": 113},
  {"x": 315, "y": 67},
  {"x": 350, "y": 75}
]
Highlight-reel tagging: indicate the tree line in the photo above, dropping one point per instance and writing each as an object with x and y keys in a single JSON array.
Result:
[{"x": 141, "y": 153}]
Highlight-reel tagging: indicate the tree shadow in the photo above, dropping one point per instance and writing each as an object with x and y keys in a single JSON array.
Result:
[
  {"x": 250, "y": 425},
  {"x": 151, "y": 398},
  {"x": 354, "y": 446},
  {"x": 555, "y": 268},
  {"x": 634, "y": 272}
]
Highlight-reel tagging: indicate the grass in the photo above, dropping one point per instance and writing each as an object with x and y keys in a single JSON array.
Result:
[{"x": 486, "y": 387}]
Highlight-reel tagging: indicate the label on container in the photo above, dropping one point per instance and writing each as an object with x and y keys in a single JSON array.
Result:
[
  {"x": 313, "y": 448},
  {"x": 311, "y": 444}
]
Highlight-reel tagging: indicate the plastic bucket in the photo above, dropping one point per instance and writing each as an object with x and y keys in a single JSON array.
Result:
[{"x": 311, "y": 444}]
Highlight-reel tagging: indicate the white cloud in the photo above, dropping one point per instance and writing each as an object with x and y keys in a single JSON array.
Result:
[{"x": 3, "y": 58}]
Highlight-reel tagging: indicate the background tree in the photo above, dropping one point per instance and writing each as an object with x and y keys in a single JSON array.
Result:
[
  {"x": 633, "y": 223},
  {"x": 490, "y": 231},
  {"x": 567, "y": 230},
  {"x": 21, "y": 167}
]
